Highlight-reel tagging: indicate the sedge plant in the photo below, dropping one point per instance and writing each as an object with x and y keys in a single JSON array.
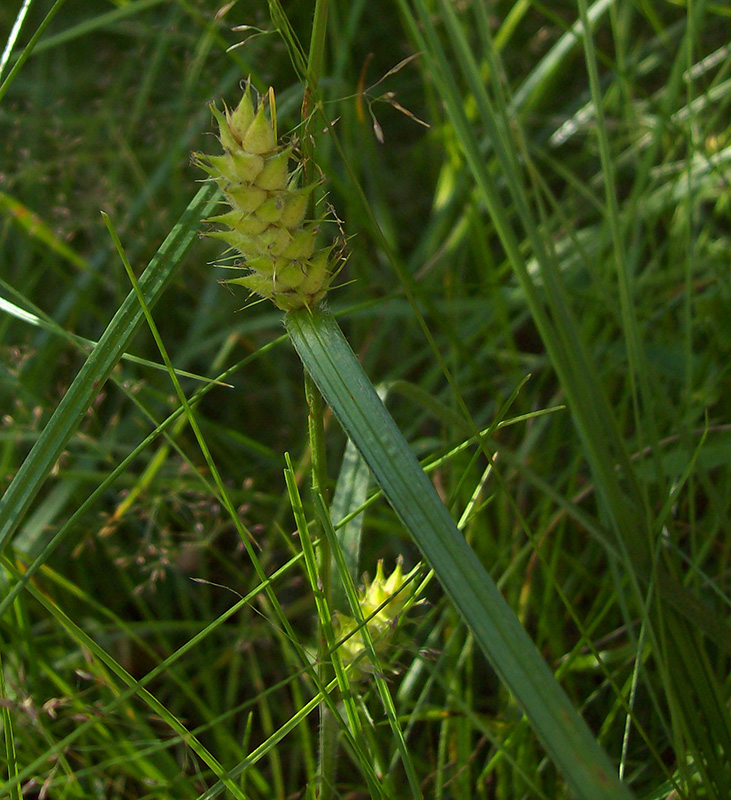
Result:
[
  {"x": 267, "y": 227},
  {"x": 565, "y": 216}
]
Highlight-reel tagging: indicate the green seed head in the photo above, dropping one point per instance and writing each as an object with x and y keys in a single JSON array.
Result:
[
  {"x": 269, "y": 208},
  {"x": 381, "y": 603}
]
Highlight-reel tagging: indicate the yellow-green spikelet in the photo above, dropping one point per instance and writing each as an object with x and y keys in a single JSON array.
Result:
[
  {"x": 267, "y": 221},
  {"x": 381, "y": 603}
]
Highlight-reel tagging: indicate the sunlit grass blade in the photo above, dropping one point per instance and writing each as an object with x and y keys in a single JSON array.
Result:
[
  {"x": 344, "y": 385},
  {"x": 28, "y": 49}
]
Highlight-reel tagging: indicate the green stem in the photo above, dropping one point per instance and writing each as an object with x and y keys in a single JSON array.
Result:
[
  {"x": 316, "y": 430},
  {"x": 328, "y": 744},
  {"x": 315, "y": 61},
  {"x": 327, "y": 756},
  {"x": 317, "y": 43}
]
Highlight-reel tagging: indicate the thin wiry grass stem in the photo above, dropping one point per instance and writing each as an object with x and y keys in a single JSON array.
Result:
[{"x": 327, "y": 744}]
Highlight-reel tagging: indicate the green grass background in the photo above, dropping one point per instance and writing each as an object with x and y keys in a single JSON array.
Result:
[{"x": 564, "y": 217}]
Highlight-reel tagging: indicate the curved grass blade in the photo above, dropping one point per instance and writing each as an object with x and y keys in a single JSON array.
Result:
[
  {"x": 567, "y": 739},
  {"x": 97, "y": 368}
]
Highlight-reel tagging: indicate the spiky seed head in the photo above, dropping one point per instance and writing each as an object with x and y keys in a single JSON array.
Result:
[{"x": 269, "y": 207}]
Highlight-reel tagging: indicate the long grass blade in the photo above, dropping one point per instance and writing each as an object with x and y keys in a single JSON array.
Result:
[{"x": 344, "y": 385}]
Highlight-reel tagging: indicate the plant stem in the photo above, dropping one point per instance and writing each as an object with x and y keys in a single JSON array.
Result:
[
  {"x": 327, "y": 756},
  {"x": 316, "y": 430}
]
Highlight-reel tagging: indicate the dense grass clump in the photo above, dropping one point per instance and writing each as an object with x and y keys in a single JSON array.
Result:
[{"x": 534, "y": 205}]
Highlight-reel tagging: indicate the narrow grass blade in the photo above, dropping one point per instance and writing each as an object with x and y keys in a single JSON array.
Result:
[
  {"x": 17, "y": 25},
  {"x": 351, "y": 492},
  {"x": 9, "y": 738},
  {"x": 339, "y": 376},
  {"x": 28, "y": 49},
  {"x": 87, "y": 384}
]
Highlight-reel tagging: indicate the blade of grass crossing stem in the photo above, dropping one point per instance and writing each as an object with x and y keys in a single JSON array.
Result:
[
  {"x": 567, "y": 739},
  {"x": 327, "y": 756},
  {"x": 97, "y": 368}
]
